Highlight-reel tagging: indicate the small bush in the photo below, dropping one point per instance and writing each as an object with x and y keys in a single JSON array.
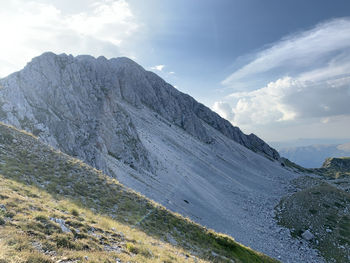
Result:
[
  {"x": 74, "y": 223},
  {"x": 75, "y": 212},
  {"x": 41, "y": 218},
  {"x": 2, "y": 221},
  {"x": 131, "y": 248},
  {"x": 64, "y": 242},
  {"x": 10, "y": 214}
]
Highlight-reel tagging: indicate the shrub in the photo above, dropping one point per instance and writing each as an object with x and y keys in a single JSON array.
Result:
[
  {"x": 131, "y": 248},
  {"x": 64, "y": 242},
  {"x": 41, "y": 218},
  {"x": 75, "y": 212}
]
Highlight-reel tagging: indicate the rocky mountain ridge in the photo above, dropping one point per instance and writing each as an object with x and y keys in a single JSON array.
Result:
[{"x": 68, "y": 100}]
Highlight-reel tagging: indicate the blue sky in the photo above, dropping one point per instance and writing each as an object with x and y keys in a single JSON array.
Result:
[{"x": 276, "y": 68}]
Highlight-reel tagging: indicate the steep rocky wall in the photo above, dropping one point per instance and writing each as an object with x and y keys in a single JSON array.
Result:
[{"x": 75, "y": 104}]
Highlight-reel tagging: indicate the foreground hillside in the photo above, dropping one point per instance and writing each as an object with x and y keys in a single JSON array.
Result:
[
  {"x": 54, "y": 208},
  {"x": 319, "y": 212}
]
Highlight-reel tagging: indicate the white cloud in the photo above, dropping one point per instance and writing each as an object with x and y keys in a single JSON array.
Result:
[
  {"x": 317, "y": 93},
  {"x": 224, "y": 110},
  {"x": 292, "y": 99},
  {"x": 29, "y": 28},
  {"x": 264, "y": 105},
  {"x": 105, "y": 17},
  {"x": 296, "y": 53},
  {"x": 158, "y": 67}
]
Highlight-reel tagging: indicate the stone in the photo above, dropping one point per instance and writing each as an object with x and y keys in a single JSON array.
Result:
[
  {"x": 171, "y": 240},
  {"x": 62, "y": 224},
  {"x": 307, "y": 235}
]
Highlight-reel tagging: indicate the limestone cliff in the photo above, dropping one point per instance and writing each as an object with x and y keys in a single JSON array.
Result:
[{"x": 74, "y": 103}]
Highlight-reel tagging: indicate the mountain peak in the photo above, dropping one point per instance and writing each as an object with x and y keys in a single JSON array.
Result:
[
  {"x": 48, "y": 77},
  {"x": 64, "y": 58}
]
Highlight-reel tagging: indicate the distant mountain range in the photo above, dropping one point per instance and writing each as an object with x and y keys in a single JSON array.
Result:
[
  {"x": 313, "y": 156},
  {"x": 307, "y": 141}
]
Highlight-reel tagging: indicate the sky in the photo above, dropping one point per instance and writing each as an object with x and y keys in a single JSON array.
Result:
[{"x": 279, "y": 69}]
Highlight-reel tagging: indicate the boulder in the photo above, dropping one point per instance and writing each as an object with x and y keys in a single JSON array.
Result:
[{"x": 307, "y": 235}]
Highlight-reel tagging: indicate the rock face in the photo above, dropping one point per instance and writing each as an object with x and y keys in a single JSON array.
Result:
[
  {"x": 127, "y": 121},
  {"x": 73, "y": 103}
]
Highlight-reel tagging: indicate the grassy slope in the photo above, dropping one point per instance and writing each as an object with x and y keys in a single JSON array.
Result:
[
  {"x": 106, "y": 220},
  {"x": 325, "y": 211},
  {"x": 297, "y": 168},
  {"x": 322, "y": 208}
]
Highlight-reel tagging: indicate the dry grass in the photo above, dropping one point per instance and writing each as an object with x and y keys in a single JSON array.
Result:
[{"x": 38, "y": 183}]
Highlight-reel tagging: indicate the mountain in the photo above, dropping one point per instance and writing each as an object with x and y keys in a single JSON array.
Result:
[
  {"x": 137, "y": 128},
  {"x": 312, "y": 156},
  {"x": 54, "y": 208},
  {"x": 61, "y": 96}
]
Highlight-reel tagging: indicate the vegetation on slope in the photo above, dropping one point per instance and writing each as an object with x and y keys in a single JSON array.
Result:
[
  {"x": 335, "y": 168},
  {"x": 324, "y": 211},
  {"x": 54, "y": 208},
  {"x": 295, "y": 167}
]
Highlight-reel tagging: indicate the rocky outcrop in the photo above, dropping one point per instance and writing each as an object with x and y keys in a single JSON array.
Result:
[
  {"x": 75, "y": 104},
  {"x": 341, "y": 164}
]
